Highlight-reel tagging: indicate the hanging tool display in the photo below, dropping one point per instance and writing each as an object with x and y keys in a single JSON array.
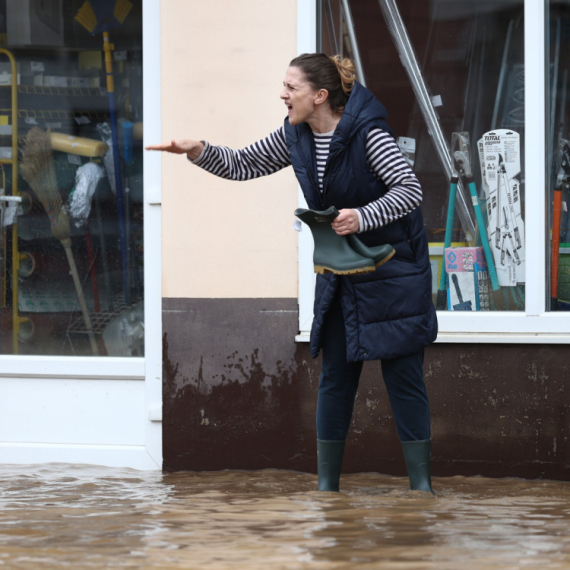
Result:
[
  {"x": 409, "y": 61},
  {"x": 562, "y": 161},
  {"x": 462, "y": 167},
  {"x": 97, "y": 17},
  {"x": 463, "y": 162},
  {"x": 504, "y": 97}
]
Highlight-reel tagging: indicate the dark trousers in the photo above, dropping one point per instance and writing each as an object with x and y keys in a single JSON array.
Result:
[{"x": 403, "y": 377}]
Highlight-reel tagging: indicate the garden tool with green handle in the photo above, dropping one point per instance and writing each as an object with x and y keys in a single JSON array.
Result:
[
  {"x": 441, "y": 300},
  {"x": 461, "y": 157}
]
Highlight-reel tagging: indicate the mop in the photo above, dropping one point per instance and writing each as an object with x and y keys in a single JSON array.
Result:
[
  {"x": 38, "y": 171},
  {"x": 102, "y": 16},
  {"x": 87, "y": 178}
]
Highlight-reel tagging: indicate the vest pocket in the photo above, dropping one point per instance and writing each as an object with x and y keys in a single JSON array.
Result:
[{"x": 405, "y": 251}]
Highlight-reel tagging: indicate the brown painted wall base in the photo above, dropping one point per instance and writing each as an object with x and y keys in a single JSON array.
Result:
[{"x": 239, "y": 393}]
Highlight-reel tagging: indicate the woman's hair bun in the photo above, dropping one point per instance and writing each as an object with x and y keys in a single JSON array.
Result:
[
  {"x": 347, "y": 72},
  {"x": 336, "y": 74}
]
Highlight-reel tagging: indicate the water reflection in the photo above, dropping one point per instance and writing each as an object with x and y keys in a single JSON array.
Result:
[{"x": 91, "y": 517}]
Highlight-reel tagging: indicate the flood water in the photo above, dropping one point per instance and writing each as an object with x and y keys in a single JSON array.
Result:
[{"x": 66, "y": 516}]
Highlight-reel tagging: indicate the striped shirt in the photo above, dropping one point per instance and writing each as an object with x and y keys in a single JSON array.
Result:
[{"x": 270, "y": 155}]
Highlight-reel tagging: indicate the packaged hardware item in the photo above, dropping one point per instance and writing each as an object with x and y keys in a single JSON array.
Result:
[
  {"x": 468, "y": 279},
  {"x": 499, "y": 157}
]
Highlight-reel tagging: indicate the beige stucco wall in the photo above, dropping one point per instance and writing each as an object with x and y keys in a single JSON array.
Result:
[{"x": 222, "y": 67}]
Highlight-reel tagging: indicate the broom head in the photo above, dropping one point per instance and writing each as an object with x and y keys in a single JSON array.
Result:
[{"x": 38, "y": 171}]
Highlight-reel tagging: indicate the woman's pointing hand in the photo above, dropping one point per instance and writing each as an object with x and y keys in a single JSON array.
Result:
[{"x": 190, "y": 147}]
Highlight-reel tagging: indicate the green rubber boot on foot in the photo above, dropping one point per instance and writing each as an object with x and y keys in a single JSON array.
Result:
[
  {"x": 418, "y": 464},
  {"x": 329, "y": 464},
  {"x": 333, "y": 253}
]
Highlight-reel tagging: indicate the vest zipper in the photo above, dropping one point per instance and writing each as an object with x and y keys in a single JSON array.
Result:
[
  {"x": 310, "y": 173},
  {"x": 328, "y": 166}
]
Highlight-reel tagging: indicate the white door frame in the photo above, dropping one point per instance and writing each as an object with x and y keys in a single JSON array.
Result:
[{"x": 99, "y": 410}]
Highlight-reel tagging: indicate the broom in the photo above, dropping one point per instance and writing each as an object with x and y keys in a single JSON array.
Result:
[{"x": 38, "y": 171}]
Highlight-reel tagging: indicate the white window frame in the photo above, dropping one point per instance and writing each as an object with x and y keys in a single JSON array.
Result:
[
  {"x": 535, "y": 324},
  {"x": 147, "y": 369}
]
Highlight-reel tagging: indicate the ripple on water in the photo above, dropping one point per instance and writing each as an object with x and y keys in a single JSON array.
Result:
[{"x": 94, "y": 517}]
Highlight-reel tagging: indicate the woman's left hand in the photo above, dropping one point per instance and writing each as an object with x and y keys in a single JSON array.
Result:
[{"x": 346, "y": 222}]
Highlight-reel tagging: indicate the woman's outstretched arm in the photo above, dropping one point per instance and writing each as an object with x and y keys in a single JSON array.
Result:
[
  {"x": 189, "y": 147},
  {"x": 263, "y": 157}
]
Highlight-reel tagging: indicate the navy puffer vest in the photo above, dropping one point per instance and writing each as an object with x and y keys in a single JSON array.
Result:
[{"x": 388, "y": 313}]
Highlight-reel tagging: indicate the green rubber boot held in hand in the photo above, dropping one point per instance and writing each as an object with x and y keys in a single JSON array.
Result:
[
  {"x": 334, "y": 253},
  {"x": 380, "y": 254},
  {"x": 329, "y": 464},
  {"x": 418, "y": 464}
]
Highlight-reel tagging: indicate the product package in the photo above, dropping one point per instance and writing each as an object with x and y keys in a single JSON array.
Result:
[
  {"x": 468, "y": 279},
  {"x": 499, "y": 157}
]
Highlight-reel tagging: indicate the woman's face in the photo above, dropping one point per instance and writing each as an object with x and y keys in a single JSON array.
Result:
[{"x": 301, "y": 99}]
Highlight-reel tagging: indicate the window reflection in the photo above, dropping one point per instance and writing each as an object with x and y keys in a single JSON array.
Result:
[
  {"x": 71, "y": 254},
  {"x": 451, "y": 74}
]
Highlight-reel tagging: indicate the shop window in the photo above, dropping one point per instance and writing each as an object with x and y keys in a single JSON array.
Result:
[
  {"x": 451, "y": 75},
  {"x": 71, "y": 197}
]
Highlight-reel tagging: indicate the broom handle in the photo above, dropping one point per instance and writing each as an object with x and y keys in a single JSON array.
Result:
[
  {"x": 67, "y": 246},
  {"x": 108, "y": 49}
]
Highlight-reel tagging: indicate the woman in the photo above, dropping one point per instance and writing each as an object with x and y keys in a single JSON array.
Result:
[{"x": 343, "y": 153}]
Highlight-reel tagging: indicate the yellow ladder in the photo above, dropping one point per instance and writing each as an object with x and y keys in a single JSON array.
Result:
[{"x": 13, "y": 162}]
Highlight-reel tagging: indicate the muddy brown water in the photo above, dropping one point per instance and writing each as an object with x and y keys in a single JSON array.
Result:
[{"x": 66, "y": 516}]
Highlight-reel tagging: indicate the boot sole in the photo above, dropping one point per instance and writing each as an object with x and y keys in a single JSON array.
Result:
[
  {"x": 387, "y": 258},
  {"x": 321, "y": 269}
]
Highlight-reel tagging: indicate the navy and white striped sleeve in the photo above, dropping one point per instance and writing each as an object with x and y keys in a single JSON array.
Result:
[
  {"x": 404, "y": 191},
  {"x": 263, "y": 157}
]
